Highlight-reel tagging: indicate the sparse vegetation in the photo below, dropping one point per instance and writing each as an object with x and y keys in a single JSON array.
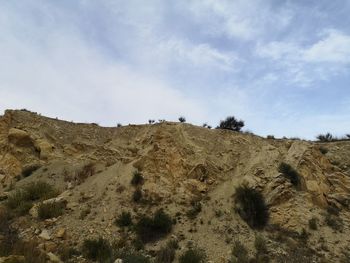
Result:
[
  {"x": 130, "y": 256},
  {"x": 231, "y": 123},
  {"x": 260, "y": 244},
  {"x": 28, "y": 170},
  {"x": 334, "y": 222},
  {"x": 166, "y": 254},
  {"x": 325, "y": 137},
  {"x": 195, "y": 209},
  {"x": 313, "y": 223},
  {"x": 323, "y": 150},
  {"x": 21, "y": 200},
  {"x": 86, "y": 171},
  {"x": 290, "y": 173},
  {"x": 124, "y": 219},
  {"x": 137, "y": 178},
  {"x": 137, "y": 195},
  {"x": 251, "y": 206},
  {"x": 182, "y": 119},
  {"x": 193, "y": 255},
  {"x": 50, "y": 210},
  {"x": 239, "y": 253},
  {"x": 152, "y": 228},
  {"x": 97, "y": 250}
]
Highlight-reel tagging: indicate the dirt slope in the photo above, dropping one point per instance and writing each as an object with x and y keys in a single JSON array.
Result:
[{"x": 180, "y": 163}]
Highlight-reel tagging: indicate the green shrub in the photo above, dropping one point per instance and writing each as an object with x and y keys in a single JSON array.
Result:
[
  {"x": 166, "y": 254},
  {"x": 182, "y": 119},
  {"x": 239, "y": 253},
  {"x": 97, "y": 250},
  {"x": 313, "y": 223},
  {"x": 290, "y": 173},
  {"x": 195, "y": 210},
  {"x": 40, "y": 191},
  {"x": 231, "y": 123},
  {"x": 28, "y": 170},
  {"x": 323, "y": 150},
  {"x": 21, "y": 200},
  {"x": 50, "y": 210},
  {"x": 124, "y": 219},
  {"x": 193, "y": 255},
  {"x": 260, "y": 245},
  {"x": 137, "y": 195},
  {"x": 251, "y": 206},
  {"x": 325, "y": 138},
  {"x": 137, "y": 178},
  {"x": 150, "y": 229}
]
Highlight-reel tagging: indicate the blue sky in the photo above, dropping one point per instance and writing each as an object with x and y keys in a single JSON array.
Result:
[{"x": 282, "y": 66}]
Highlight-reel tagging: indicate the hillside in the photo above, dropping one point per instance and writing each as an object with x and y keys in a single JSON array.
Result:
[{"x": 190, "y": 172}]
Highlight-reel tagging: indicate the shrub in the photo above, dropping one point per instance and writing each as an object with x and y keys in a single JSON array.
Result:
[
  {"x": 28, "y": 170},
  {"x": 21, "y": 200},
  {"x": 239, "y": 253},
  {"x": 252, "y": 207},
  {"x": 325, "y": 138},
  {"x": 193, "y": 255},
  {"x": 50, "y": 210},
  {"x": 195, "y": 210},
  {"x": 40, "y": 190},
  {"x": 313, "y": 223},
  {"x": 97, "y": 250},
  {"x": 182, "y": 119},
  {"x": 334, "y": 222},
  {"x": 166, "y": 254},
  {"x": 332, "y": 210},
  {"x": 137, "y": 195},
  {"x": 260, "y": 245},
  {"x": 137, "y": 178},
  {"x": 86, "y": 171},
  {"x": 290, "y": 173},
  {"x": 231, "y": 123},
  {"x": 323, "y": 150},
  {"x": 150, "y": 229},
  {"x": 124, "y": 219},
  {"x": 270, "y": 137}
]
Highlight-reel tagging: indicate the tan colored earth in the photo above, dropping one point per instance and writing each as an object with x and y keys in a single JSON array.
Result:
[{"x": 180, "y": 163}]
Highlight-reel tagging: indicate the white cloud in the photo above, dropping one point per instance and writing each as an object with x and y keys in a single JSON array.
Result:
[
  {"x": 334, "y": 47},
  {"x": 241, "y": 19}
]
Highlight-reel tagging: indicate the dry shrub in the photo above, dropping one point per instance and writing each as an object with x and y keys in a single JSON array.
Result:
[{"x": 86, "y": 171}]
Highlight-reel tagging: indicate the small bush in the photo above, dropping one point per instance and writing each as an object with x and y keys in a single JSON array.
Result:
[
  {"x": 166, "y": 254},
  {"x": 239, "y": 253},
  {"x": 260, "y": 245},
  {"x": 21, "y": 200},
  {"x": 97, "y": 250},
  {"x": 137, "y": 195},
  {"x": 195, "y": 210},
  {"x": 182, "y": 119},
  {"x": 124, "y": 219},
  {"x": 290, "y": 173},
  {"x": 86, "y": 171},
  {"x": 28, "y": 170},
  {"x": 325, "y": 137},
  {"x": 193, "y": 255},
  {"x": 334, "y": 222},
  {"x": 137, "y": 178},
  {"x": 270, "y": 137},
  {"x": 40, "y": 191},
  {"x": 231, "y": 123},
  {"x": 323, "y": 150},
  {"x": 50, "y": 210},
  {"x": 313, "y": 223},
  {"x": 150, "y": 229},
  {"x": 332, "y": 210},
  {"x": 251, "y": 207}
]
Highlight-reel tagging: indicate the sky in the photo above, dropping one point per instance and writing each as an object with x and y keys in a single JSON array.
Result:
[{"x": 281, "y": 66}]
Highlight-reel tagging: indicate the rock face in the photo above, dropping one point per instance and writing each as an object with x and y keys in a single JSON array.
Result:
[{"x": 182, "y": 165}]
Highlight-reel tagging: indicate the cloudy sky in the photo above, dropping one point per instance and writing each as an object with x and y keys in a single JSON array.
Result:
[{"x": 282, "y": 66}]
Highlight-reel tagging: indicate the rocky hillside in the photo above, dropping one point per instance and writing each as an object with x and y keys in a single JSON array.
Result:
[{"x": 86, "y": 177}]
